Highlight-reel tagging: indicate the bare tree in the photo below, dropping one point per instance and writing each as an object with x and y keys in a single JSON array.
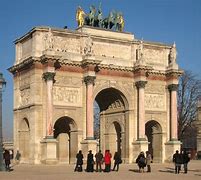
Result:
[{"x": 189, "y": 91}]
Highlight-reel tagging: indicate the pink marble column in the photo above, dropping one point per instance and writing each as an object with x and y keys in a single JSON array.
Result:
[
  {"x": 141, "y": 109},
  {"x": 49, "y": 78},
  {"x": 89, "y": 80},
  {"x": 173, "y": 111}
]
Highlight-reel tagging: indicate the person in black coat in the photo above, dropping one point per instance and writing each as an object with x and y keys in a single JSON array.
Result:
[
  {"x": 79, "y": 162},
  {"x": 141, "y": 161},
  {"x": 90, "y": 162},
  {"x": 117, "y": 161},
  {"x": 177, "y": 159},
  {"x": 6, "y": 156},
  {"x": 185, "y": 160}
]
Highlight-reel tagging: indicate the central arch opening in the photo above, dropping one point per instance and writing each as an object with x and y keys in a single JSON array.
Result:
[{"x": 109, "y": 120}]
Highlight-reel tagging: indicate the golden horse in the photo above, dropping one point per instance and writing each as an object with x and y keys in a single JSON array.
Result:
[{"x": 80, "y": 16}]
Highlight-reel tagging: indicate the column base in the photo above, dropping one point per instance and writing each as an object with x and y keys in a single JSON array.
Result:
[
  {"x": 170, "y": 149},
  {"x": 49, "y": 150},
  {"x": 139, "y": 146}
]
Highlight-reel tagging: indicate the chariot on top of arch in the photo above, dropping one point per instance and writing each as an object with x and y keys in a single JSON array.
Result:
[{"x": 114, "y": 20}]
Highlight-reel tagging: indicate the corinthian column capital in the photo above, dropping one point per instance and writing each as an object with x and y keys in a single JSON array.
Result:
[
  {"x": 173, "y": 87},
  {"x": 48, "y": 76},
  {"x": 89, "y": 79},
  {"x": 140, "y": 84}
]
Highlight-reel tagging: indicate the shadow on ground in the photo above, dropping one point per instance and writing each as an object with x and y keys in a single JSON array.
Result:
[
  {"x": 134, "y": 170},
  {"x": 167, "y": 170}
]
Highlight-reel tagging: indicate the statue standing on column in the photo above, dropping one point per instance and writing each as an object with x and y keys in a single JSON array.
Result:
[
  {"x": 49, "y": 40},
  {"x": 88, "y": 46},
  {"x": 141, "y": 54},
  {"x": 173, "y": 54}
]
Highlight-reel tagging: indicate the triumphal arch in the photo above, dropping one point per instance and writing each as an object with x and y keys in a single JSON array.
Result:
[{"x": 60, "y": 73}]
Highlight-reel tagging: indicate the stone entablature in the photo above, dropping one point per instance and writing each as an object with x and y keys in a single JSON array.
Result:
[{"x": 124, "y": 49}]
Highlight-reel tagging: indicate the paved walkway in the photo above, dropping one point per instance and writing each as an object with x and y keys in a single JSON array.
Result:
[{"x": 126, "y": 172}]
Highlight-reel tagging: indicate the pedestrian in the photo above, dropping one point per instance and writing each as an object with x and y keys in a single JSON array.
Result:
[
  {"x": 99, "y": 161},
  {"x": 79, "y": 162},
  {"x": 117, "y": 161},
  {"x": 107, "y": 160},
  {"x": 17, "y": 157},
  {"x": 90, "y": 162},
  {"x": 185, "y": 161},
  {"x": 148, "y": 161},
  {"x": 141, "y": 161},
  {"x": 177, "y": 159},
  {"x": 6, "y": 156}
]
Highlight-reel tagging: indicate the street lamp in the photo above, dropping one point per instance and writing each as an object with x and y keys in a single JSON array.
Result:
[{"x": 2, "y": 84}]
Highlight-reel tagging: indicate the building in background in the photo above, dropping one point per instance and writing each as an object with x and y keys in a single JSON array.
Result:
[{"x": 198, "y": 125}]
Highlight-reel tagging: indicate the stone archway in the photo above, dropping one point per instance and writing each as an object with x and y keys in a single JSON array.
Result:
[
  {"x": 24, "y": 139},
  {"x": 153, "y": 132},
  {"x": 113, "y": 138},
  {"x": 113, "y": 105},
  {"x": 65, "y": 131}
]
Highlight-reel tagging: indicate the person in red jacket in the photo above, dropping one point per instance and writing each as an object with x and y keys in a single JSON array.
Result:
[{"x": 107, "y": 160}]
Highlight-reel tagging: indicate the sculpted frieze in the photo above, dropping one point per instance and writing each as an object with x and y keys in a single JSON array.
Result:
[
  {"x": 66, "y": 45},
  {"x": 154, "y": 88},
  {"x": 155, "y": 56},
  {"x": 112, "y": 50},
  {"x": 66, "y": 81},
  {"x": 60, "y": 44},
  {"x": 67, "y": 96},
  {"x": 155, "y": 102}
]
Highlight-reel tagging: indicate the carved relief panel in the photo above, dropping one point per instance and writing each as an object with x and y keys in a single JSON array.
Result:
[
  {"x": 155, "y": 98},
  {"x": 24, "y": 81},
  {"x": 156, "y": 56},
  {"x": 67, "y": 96},
  {"x": 112, "y": 50},
  {"x": 25, "y": 97},
  {"x": 60, "y": 44}
]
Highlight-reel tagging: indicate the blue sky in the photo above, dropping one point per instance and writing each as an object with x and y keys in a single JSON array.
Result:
[{"x": 153, "y": 20}]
